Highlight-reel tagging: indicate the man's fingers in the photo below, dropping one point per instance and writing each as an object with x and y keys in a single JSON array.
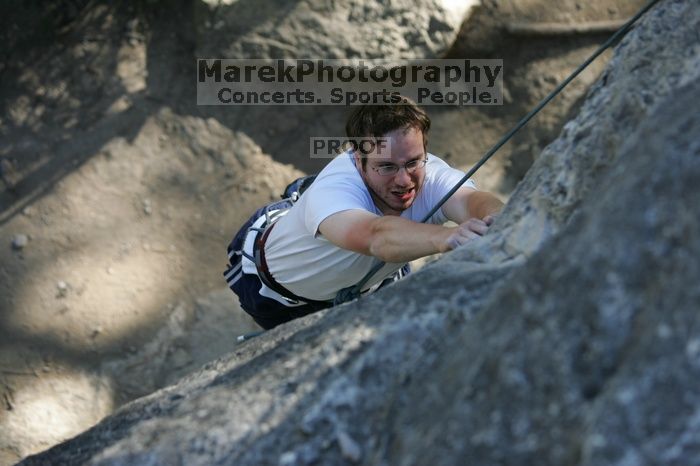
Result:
[
  {"x": 460, "y": 236},
  {"x": 475, "y": 225},
  {"x": 469, "y": 230},
  {"x": 489, "y": 219}
]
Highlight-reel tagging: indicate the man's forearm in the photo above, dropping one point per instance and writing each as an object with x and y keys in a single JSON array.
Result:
[
  {"x": 396, "y": 239},
  {"x": 482, "y": 204}
]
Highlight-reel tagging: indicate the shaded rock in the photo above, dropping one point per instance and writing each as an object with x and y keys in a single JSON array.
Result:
[
  {"x": 8, "y": 174},
  {"x": 349, "y": 449},
  {"x": 188, "y": 339},
  {"x": 121, "y": 267}
]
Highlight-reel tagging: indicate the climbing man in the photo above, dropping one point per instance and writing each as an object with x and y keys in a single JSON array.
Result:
[{"x": 361, "y": 209}]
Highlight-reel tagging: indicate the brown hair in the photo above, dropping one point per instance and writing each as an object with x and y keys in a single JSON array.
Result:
[{"x": 378, "y": 120}]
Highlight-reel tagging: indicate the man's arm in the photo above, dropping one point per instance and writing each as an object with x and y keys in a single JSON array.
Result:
[
  {"x": 392, "y": 238},
  {"x": 468, "y": 203}
]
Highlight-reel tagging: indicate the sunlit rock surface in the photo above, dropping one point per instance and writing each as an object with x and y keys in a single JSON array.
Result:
[{"x": 329, "y": 29}]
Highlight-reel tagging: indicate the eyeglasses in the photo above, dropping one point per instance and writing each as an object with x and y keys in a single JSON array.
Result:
[{"x": 391, "y": 169}]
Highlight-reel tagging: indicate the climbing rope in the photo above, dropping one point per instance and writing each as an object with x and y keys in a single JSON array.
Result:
[{"x": 353, "y": 292}]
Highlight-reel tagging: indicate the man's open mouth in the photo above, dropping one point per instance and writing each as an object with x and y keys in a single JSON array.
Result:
[{"x": 404, "y": 195}]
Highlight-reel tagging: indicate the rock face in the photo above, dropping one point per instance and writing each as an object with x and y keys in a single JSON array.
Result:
[
  {"x": 568, "y": 335},
  {"x": 329, "y": 29}
]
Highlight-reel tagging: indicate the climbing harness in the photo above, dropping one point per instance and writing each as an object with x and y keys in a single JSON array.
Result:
[
  {"x": 353, "y": 292},
  {"x": 262, "y": 223}
]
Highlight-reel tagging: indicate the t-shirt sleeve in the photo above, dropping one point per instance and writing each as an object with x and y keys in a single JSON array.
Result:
[
  {"x": 442, "y": 179},
  {"x": 329, "y": 197}
]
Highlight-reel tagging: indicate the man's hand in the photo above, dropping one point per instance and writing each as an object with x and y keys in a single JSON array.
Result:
[
  {"x": 468, "y": 203},
  {"x": 489, "y": 219},
  {"x": 468, "y": 231}
]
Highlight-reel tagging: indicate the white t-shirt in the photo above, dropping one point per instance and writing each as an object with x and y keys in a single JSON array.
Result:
[{"x": 306, "y": 263}]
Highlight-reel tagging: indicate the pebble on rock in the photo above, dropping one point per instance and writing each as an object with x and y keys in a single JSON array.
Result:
[
  {"x": 62, "y": 289},
  {"x": 19, "y": 241}
]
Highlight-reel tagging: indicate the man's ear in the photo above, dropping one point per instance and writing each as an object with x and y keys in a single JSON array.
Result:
[{"x": 358, "y": 159}]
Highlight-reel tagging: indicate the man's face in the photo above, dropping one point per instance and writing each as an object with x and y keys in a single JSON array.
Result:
[{"x": 395, "y": 193}]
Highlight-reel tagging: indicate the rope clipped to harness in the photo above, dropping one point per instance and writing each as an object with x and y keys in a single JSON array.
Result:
[{"x": 353, "y": 292}]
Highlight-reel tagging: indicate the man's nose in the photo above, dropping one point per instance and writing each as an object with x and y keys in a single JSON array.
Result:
[{"x": 402, "y": 176}]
